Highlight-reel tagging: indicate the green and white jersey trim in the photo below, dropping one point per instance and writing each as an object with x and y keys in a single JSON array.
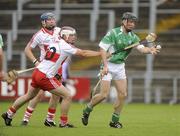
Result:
[{"x": 107, "y": 47}]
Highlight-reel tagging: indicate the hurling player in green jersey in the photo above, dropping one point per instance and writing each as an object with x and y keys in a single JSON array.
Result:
[
  {"x": 1, "y": 58},
  {"x": 114, "y": 67}
]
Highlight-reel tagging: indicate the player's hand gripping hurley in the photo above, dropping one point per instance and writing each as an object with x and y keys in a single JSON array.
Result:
[
  {"x": 13, "y": 74},
  {"x": 100, "y": 75},
  {"x": 150, "y": 38}
]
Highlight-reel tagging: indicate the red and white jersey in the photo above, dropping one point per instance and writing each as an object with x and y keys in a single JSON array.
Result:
[
  {"x": 43, "y": 38},
  {"x": 55, "y": 56}
]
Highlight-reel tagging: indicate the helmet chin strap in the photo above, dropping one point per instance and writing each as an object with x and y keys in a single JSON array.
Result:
[
  {"x": 71, "y": 43},
  {"x": 126, "y": 29},
  {"x": 50, "y": 28},
  {"x": 67, "y": 37}
]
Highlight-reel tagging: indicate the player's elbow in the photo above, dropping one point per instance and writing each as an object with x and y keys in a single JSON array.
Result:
[
  {"x": 81, "y": 53},
  {"x": 27, "y": 50},
  {"x": 84, "y": 53},
  {"x": 1, "y": 52}
]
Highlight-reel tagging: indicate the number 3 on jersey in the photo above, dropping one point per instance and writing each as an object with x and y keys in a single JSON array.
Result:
[{"x": 52, "y": 55}]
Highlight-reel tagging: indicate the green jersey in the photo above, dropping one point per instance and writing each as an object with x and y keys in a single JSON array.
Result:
[
  {"x": 115, "y": 41},
  {"x": 1, "y": 41}
]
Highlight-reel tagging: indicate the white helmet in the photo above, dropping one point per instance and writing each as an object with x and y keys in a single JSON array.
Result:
[{"x": 67, "y": 30}]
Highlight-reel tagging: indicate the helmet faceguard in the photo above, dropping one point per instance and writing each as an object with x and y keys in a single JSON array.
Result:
[
  {"x": 129, "y": 17},
  {"x": 47, "y": 16},
  {"x": 67, "y": 31}
]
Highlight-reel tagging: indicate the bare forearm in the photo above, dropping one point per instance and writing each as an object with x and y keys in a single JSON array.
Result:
[
  {"x": 104, "y": 56},
  {"x": 29, "y": 54},
  {"x": 1, "y": 63},
  {"x": 89, "y": 53},
  {"x": 149, "y": 50},
  {"x": 1, "y": 60},
  {"x": 145, "y": 50}
]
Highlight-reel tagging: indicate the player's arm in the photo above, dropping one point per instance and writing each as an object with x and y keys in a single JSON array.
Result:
[
  {"x": 104, "y": 60},
  {"x": 1, "y": 58},
  {"x": 105, "y": 44},
  {"x": 29, "y": 49},
  {"x": 30, "y": 55},
  {"x": 87, "y": 53},
  {"x": 1, "y": 62},
  {"x": 147, "y": 50},
  {"x": 144, "y": 48}
]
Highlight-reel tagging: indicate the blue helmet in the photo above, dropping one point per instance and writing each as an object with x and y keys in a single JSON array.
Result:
[{"x": 47, "y": 15}]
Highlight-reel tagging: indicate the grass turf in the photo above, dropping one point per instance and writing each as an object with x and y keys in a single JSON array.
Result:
[{"x": 137, "y": 119}]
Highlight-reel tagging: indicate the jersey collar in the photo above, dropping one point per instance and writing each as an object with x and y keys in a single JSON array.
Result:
[
  {"x": 129, "y": 33},
  {"x": 48, "y": 31}
]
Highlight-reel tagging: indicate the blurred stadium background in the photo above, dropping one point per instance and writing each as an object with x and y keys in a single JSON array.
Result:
[{"x": 150, "y": 79}]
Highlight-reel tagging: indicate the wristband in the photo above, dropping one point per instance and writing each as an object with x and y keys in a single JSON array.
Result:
[{"x": 34, "y": 62}]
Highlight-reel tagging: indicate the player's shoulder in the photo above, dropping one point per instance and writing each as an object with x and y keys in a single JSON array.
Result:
[
  {"x": 39, "y": 33},
  {"x": 64, "y": 45},
  {"x": 114, "y": 31},
  {"x": 133, "y": 34},
  {"x": 57, "y": 29}
]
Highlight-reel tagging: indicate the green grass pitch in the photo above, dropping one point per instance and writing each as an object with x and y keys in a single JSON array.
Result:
[{"x": 138, "y": 120}]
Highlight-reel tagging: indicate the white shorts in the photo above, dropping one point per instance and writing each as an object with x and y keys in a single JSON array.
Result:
[{"x": 115, "y": 72}]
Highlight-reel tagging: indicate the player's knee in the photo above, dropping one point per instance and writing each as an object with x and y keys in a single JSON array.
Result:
[
  {"x": 68, "y": 97},
  {"x": 54, "y": 97},
  {"x": 104, "y": 95},
  {"x": 123, "y": 95},
  {"x": 39, "y": 96},
  {"x": 40, "y": 93}
]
